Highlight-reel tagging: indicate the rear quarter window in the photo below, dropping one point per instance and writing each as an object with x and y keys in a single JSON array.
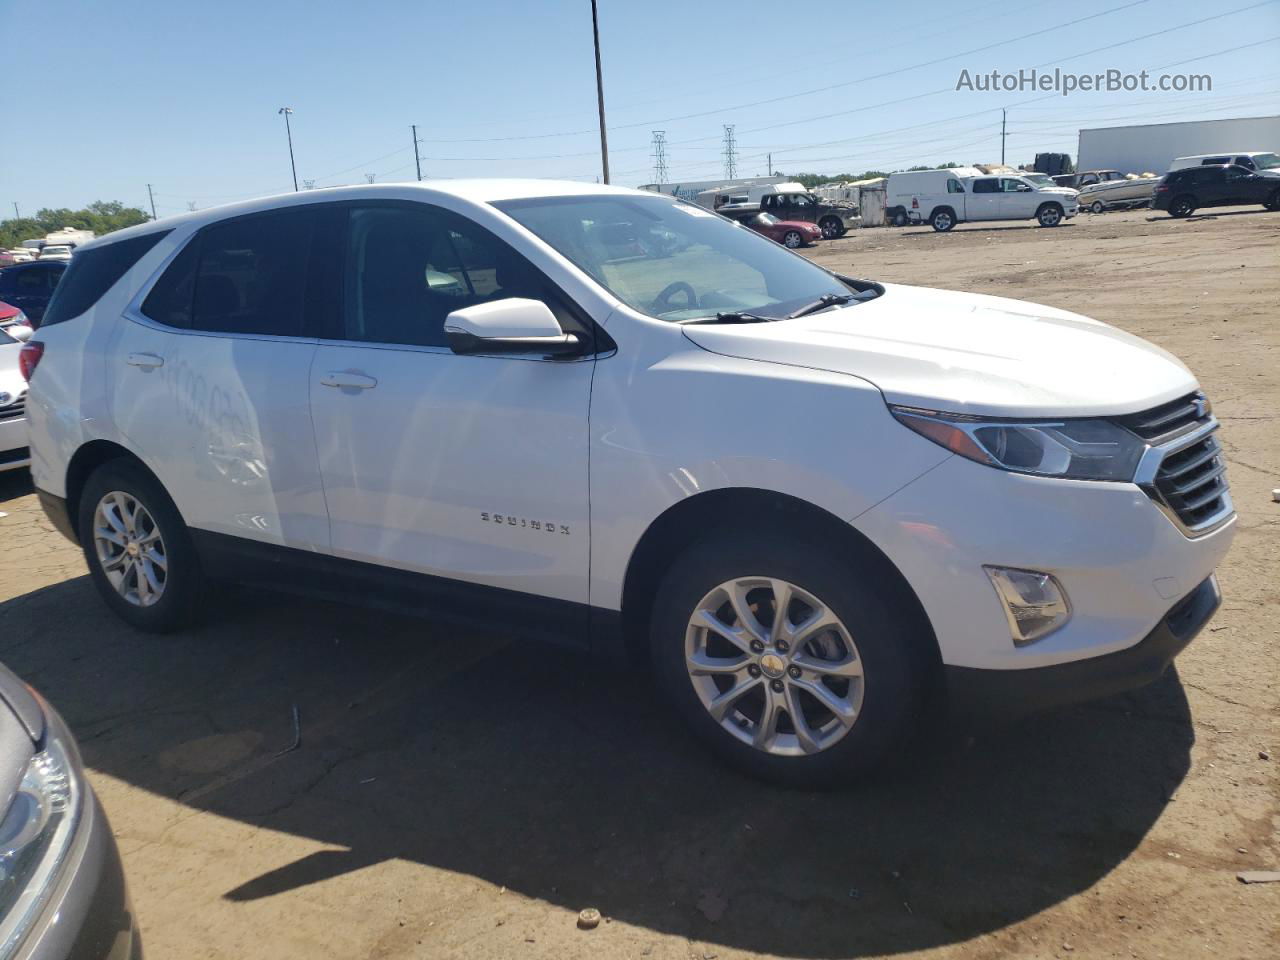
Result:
[{"x": 93, "y": 272}]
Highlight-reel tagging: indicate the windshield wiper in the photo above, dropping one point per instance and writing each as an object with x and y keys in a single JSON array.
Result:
[
  {"x": 733, "y": 316},
  {"x": 826, "y": 300}
]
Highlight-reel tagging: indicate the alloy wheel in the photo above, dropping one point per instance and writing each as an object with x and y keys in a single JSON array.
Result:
[
  {"x": 130, "y": 549},
  {"x": 774, "y": 666},
  {"x": 830, "y": 230},
  {"x": 793, "y": 239}
]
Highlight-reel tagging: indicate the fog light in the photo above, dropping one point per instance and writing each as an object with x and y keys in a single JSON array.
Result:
[{"x": 1034, "y": 603}]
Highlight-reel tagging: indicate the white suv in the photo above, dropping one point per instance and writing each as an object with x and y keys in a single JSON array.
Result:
[{"x": 818, "y": 505}]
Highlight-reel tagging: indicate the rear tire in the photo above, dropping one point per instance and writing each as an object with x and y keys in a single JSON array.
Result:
[
  {"x": 138, "y": 549},
  {"x": 1183, "y": 206},
  {"x": 868, "y": 636},
  {"x": 1049, "y": 215},
  {"x": 943, "y": 220},
  {"x": 1273, "y": 201}
]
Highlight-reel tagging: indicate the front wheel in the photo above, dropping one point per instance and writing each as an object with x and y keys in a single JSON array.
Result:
[
  {"x": 784, "y": 658},
  {"x": 793, "y": 239},
  {"x": 943, "y": 220},
  {"x": 1097, "y": 206},
  {"x": 139, "y": 551},
  {"x": 1050, "y": 215},
  {"x": 832, "y": 228}
]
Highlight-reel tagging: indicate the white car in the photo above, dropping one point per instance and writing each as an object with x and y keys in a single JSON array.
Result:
[
  {"x": 943, "y": 198},
  {"x": 55, "y": 251},
  {"x": 820, "y": 506},
  {"x": 13, "y": 394},
  {"x": 1265, "y": 163}
]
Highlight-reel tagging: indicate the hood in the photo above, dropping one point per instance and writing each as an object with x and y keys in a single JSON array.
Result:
[
  {"x": 968, "y": 353},
  {"x": 1061, "y": 191},
  {"x": 799, "y": 225}
]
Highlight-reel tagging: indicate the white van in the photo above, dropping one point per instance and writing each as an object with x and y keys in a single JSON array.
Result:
[
  {"x": 1265, "y": 163},
  {"x": 944, "y": 198}
]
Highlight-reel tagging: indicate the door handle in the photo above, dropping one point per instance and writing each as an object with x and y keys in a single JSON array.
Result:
[
  {"x": 342, "y": 378},
  {"x": 147, "y": 361}
]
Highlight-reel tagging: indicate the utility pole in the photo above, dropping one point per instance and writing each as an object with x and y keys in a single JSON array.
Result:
[
  {"x": 152, "y": 197},
  {"x": 1003, "y": 116},
  {"x": 771, "y": 164},
  {"x": 417, "y": 161},
  {"x": 730, "y": 153},
  {"x": 604, "y": 140},
  {"x": 286, "y": 112},
  {"x": 660, "y": 156},
  {"x": 16, "y": 214}
]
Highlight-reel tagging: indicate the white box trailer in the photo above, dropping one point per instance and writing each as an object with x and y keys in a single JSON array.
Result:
[
  {"x": 1153, "y": 146},
  {"x": 690, "y": 189}
]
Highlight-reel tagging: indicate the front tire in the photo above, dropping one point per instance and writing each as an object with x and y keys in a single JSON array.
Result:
[
  {"x": 792, "y": 239},
  {"x": 816, "y": 696},
  {"x": 1181, "y": 207},
  {"x": 943, "y": 220},
  {"x": 138, "y": 549},
  {"x": 832, "y": 228},
  {"x": 1049, "y": 215},
  {"x": 1097, "y": 206}
]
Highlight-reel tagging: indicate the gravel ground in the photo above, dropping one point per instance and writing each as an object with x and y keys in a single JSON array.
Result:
[{"x": 466, "y": 796}]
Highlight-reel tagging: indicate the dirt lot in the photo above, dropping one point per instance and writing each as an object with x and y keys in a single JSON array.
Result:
[{"x": 465, "y": 796}]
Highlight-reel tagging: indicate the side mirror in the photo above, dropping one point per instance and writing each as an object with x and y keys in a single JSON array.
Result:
[{"x": 514, "y": 325}]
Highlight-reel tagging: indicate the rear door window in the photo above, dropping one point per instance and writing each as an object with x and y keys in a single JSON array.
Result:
[
  {"x": 92, "y": 273},
  {"x": 986, "y": 185}
]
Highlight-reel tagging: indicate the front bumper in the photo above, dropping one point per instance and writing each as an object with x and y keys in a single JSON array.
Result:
[
  {"x": 1122, "y": 562},
  {"x": 980, "y": 693},
  {"x": 14, "y": 452}
]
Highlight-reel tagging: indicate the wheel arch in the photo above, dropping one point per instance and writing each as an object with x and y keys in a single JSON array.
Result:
[
  {"x": 693, "y": 518},
  {"x": 944, "y": 208},
  {"x": 87, "y": 459}
]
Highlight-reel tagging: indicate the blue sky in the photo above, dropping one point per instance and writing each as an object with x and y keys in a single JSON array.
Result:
[{"x": 184, "y": 96}]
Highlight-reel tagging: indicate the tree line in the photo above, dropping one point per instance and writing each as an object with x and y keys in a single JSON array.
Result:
[{"x": 100, "y": 216}]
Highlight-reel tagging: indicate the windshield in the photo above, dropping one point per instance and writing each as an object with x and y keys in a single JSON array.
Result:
[
  {"x": 1266, "y": 161},
  {"x": 1039, "y": 179},
  {"x": 671, "y": 260}
]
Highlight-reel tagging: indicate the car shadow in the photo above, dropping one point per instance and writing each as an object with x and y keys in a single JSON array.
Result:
[
  {"x": 987, "y": 226},
  {"x": 1217, "y": 212},
  {"x": 15, "y": 484},
  {"x": 567, "y": 780}
]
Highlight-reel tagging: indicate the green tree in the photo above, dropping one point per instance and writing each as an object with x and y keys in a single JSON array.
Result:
[{"x": 100, "y": 216}]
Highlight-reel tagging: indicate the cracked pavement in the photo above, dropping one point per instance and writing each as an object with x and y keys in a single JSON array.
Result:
[{"x": 460, "y": 795}]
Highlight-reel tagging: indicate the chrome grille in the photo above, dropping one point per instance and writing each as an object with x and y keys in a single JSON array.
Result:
[
  {"x": 14, "y": 410},
  {"x": 1184, "y": 469}
]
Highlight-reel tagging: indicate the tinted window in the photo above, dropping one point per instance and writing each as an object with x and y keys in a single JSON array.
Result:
[
  {"x": 1237, "y": 173},
  {"x": 1246, "y": 162},
  {"x": 986, "y": 186},
  {"x": 169, "y": 301},
  {"x": 409, "y": 267},
  {"x": 1212, "y": 160},
  {"x": 955, "y": 186},
  {"x": 92, "y": 273},
  {"x": 252, "y": 274}
]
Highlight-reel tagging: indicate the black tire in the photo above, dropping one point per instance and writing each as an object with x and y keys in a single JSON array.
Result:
[
  {"x": 1049, "y": 215},
  {"x": 943, "y": 219},
  {"x": 887, "y": 638},
  {"x": 899, "y": 219},
  {"x": 1097, "y": 206},
  {"x": 832, "y": 228},
  {"x": 1183, "y": 206},
  {"x": 1273, "y": 201},
  {"x": 792, "y": 239},
  {"x": 179, "y": 602}
]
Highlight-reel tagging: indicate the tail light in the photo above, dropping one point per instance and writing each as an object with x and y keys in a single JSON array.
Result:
[
  {"x": 29, "y": 358},
  {"x": 915, "y": 204},
  {"x": 1162, "y": 188}
]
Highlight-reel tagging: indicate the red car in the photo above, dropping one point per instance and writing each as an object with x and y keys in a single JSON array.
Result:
[
  {"x": 789, "y": 233},
  {"x": 14, "y": 322}
]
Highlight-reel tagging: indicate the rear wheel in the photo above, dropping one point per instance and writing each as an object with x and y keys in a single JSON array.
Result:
[
  {"x": 139, "y": 551},
  {"x": 1273, "y": 201},
  {"x": 943, "y": 220},
  {"x": 832, "y": 228},
  {"x": 784, "y": 658},
  {"x": 1049, "y": 215},
  {"x": 1182, "y": 206},
  {"x": 793, "y": 239}
]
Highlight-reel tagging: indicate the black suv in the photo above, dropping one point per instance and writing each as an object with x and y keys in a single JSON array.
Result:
[{"x": 1182, "y": 192}]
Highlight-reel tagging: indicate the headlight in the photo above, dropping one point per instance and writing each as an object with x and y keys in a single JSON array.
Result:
[
  {"x": 1072, "y": 449},
  {"x": 35, "y": 836}
]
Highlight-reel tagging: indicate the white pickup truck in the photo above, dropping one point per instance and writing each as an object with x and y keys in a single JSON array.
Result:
[{"x": 943, "y": 198}]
